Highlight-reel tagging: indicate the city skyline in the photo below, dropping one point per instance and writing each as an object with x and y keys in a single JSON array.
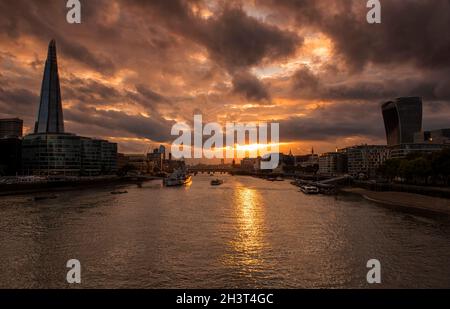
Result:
[{"x": 182, "y": 58}]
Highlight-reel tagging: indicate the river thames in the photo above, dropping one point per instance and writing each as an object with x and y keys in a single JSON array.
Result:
[{"x": 247, "y": 233}]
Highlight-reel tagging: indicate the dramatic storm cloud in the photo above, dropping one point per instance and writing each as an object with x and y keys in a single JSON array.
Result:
[{"x": 133, "y": 68}]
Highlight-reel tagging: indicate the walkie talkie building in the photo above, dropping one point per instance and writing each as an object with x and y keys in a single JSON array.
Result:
[{"x": 402, "y": 119}]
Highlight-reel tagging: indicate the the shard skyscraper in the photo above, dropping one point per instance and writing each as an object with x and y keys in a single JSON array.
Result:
[{"x": 50, "y": 118}]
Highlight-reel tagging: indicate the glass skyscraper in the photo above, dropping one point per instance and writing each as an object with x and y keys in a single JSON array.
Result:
[
  {"x": 50, "y": 117},
  {"x": 402, "y": 119},
  {"x": 51, "y": 151}
]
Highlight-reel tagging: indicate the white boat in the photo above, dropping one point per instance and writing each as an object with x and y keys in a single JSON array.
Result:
[
  {"x": 309, "y": 189},
  {"x": 178, "y": 178}
]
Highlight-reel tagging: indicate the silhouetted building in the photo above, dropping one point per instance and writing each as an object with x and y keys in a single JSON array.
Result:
[
  {"x": 50, "y": 117},
  {"x": 441, "y": 136},
  {"x": 156, "y": 158},
  {"x": 67, "y": 154},
  {"x": 11, "y": 128},
  {"x": 402, "y": 151},
  {"x": 98, "y": 157},
  {"x": 122, "y": 160},
  {"x": 10, "y": 156},
  {"x": 307, "y": 160},
  {"x": 251, "y": 164},
  {"x": 332, "y": 163},
  {"x": 365, "y": 159},
  {"x": 50, "y": 151},
  {"x": 402, "y": 119},
  {"x": 139, "y": 162}
]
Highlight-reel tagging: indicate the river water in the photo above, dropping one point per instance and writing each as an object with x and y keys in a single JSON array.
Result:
[{"x": 247, "y": 233}]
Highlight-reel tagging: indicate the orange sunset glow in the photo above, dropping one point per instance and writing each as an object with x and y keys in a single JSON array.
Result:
[{"x": 132, "y": 69}]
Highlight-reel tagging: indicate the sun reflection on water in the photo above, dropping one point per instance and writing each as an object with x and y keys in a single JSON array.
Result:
[{"x": 249, "y": 241}]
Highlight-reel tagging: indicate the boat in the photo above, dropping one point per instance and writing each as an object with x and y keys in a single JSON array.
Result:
[
  {"x": 178, "y": 178},
  {"x": 307, "y": 189},
  {"x": 216, "y": 182},
  {"x": 119, "y": 192}
]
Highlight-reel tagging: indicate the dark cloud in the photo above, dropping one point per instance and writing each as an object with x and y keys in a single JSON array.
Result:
[
  {"x": 168, "y": 59},
  {"x": 412, "y": 31},
  {"x": 20, "y": 102},
  {"x": 333, "y": 121},
  {"x": 250, "y": 86},
  {"x": 149, "y": 95},
  {"x": 431, "y": 86},
  {"x": 153, "y": 128},
  {"x": 232, "y": 38},
  {"x": 89, "y": 91},
  {"x": 46, "y": 20},
  {"x": 303, "y": 80}
]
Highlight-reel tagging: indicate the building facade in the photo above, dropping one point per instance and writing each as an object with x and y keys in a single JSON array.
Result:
[
  {"x": 305, "y": 161},
  {"x": 441, "y": 136},
  {"x": 11, "y": 128},
  {"x": 51, "y": 154},
  {"x": 402, "y": 119},
  {"x": 51, "y": 151},
  {"x": 402, "y": 151},
  {"x": 332, "y": 163},
  {"x": 67, "y": 155},
  {"x": 364, "y": 160}
]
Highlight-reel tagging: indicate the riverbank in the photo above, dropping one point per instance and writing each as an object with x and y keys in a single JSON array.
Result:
[
  {"x": 69, "y": 184},
  {"x": 409, "y": 201}
]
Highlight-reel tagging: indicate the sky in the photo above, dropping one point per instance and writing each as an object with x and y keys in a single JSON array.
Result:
[{"x": 133, "y": 68}]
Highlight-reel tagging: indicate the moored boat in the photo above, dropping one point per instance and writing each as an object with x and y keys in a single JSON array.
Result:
[
  {"x": 307, "y": 189},
  {"x": 178, "y": 178}
]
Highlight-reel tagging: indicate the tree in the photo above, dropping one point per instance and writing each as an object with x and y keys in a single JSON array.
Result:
[
  {"x": 420, "y": 169},
  {"x": 390, "y": 169}
]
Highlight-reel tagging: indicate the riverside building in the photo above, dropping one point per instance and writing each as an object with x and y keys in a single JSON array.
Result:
[{"x": 52, "y": 151}]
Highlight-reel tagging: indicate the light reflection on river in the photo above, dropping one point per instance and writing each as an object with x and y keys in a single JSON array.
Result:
[{"x": 248, "y": 233}]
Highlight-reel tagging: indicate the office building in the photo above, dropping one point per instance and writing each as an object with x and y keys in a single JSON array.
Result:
[
  {"x": 441, "y": 136},
  {"x": 51, "y": 154},
  {"x": 402, "y": 151},
  {"x": 364, "y": 160},
  {"x": 402, "y": 119},
  {"x": 139, "y": 162},
  {"x": 332, "y": 163},
  {"x": 11, "y": 128},
  {"x": 51, "y": 151}
]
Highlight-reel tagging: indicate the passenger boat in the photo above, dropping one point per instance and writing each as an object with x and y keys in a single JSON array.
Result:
[
  {"x": 216, "y": 182},
  {"x": 178, "y": 178},
  {"x": 309, "y": 189}
]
